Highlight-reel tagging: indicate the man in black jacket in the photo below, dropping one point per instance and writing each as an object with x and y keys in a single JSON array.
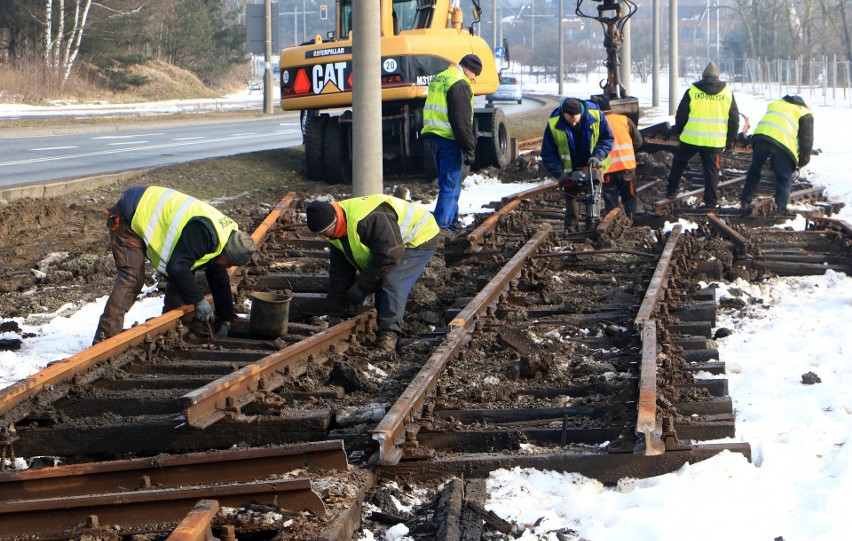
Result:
[
  {"x": 382, "y": 245},
  {"x": 785, "y": 136},
  {"x": 180, "y": 235},
  {"x": 706, "y": 122}
]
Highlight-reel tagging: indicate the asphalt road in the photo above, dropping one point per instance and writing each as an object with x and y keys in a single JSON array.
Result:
[
  {"x": 91, "y": 150},
  {"x": 29, "y": 159}
]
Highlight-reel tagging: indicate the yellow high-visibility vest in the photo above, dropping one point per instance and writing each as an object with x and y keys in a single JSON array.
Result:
[
  {"x": 436, "y": 115},
  {"x": 708, "y": 118},
  {"x": 160, "y": 217},
  {"x": 416, "y": 225}
]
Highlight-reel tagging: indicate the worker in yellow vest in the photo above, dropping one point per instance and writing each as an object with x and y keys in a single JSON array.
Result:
[
  {"x": 784, "y": 136},
  {"x": 180, "y": 235},
  {"x": 382, "y": 245},
  {"x": 577, "y": 136},
  {"x": 620, "y": 177},
  {"x": 706, "y": 123},
  {"x": 448, "y": 130}
]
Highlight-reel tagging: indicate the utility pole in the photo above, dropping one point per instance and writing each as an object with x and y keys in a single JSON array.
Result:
[
  {"x": 366, "y": 99},
  {"x": 267, "y": 74},
  {"x": 673, "y": 64},
  {"x": 625, "y": 54},
  {"x": 655, "y": 59},
  {"x": 494, "y": 41},
  {"x": 561, "y": 38}
]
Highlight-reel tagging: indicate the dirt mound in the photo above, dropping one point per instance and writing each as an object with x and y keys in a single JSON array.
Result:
[{"x": 167, "y": 82}]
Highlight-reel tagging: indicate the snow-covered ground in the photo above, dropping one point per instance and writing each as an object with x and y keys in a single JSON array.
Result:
[{"x": 802, "y": 461}]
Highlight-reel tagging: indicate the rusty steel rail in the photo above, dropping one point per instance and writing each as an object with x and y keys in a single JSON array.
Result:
[
  {"x": 66, "y": 369},
  {"x": 197, "y": 525},
  {"x": 510, "y": 203},
  {"x": 147, "y": 511},
  {"x": 230, "y": 466},
  {"x": 495, "y": 287},
  {"x": 655, "y": 293},
  {"x": 661, "y": 205},
  {"x": 741, "y": 244},
  {"x": 212, "y": 402},
  {"x": 399, "y": 427},
  {"x": 645, "y": 323}
]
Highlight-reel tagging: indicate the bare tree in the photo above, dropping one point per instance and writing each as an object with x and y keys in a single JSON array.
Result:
[{"x": 61, "y": 47}]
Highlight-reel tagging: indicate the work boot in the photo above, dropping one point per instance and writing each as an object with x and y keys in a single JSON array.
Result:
[
  {"x": 386, "y": 341},
  {"x": 746, "y": 209}
]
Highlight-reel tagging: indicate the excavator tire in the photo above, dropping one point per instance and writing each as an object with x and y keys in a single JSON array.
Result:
[
  {"x": 338, "y": 165},
  {"x": 314, "y": 136},
  {"x": 493, "y": 149}
]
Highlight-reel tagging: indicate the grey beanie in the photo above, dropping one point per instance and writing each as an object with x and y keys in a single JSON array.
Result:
[
  {"x": 711, "y": 71},
  {"x": 239, "y": 248}
]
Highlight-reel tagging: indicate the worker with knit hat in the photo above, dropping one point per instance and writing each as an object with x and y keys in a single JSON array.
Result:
[
  {"x": 382, "y": 244},
  {"x": 577, "y": 136},
  {"x": 448, "y": 130},
  {"x": 706, "y": 123},
  {"x": 619, "y": 182},
  {"x": 180, "y": 235}
]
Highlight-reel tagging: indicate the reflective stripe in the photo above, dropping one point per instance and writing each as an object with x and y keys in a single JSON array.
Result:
[
  {"x": 173, "y": 233},
  {"x": 707, "y": 125},
  {"x": 781, "y": 123}
]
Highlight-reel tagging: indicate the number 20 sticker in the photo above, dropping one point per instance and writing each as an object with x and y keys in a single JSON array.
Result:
[{"x": 389, "y": 65}]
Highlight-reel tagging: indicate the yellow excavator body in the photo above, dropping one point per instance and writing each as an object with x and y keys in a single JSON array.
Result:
[{"x": 419, "y": 39}]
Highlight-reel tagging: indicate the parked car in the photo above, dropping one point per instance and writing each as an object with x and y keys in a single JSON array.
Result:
[{"x": 510, "y": 89}]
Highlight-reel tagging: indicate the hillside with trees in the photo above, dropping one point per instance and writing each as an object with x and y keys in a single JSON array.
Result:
[{"x": 51, "y": 48}]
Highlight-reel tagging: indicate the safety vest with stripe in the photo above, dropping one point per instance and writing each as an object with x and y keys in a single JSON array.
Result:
[
  {"x": 160, "y": 217},
  {"x": 781, "y": 122},
  {"x": 436, "y": 116},
  {"x": 708, "y": 118},
  {"x": 416, "y": 225},
  {"x": 561, "y": 139},
  {"x": 622, "y": 156}
]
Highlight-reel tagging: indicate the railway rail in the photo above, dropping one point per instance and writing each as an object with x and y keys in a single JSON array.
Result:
[{"x": 526, "y": 346}]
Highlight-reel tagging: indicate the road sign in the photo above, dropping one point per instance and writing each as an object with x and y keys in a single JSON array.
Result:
[{"x": 499, "y": 52}]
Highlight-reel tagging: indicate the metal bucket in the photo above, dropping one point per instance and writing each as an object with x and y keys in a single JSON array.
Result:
[{"x": 270, "y": 313}]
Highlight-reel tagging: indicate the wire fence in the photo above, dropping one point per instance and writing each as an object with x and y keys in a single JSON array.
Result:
[{"x": 820, "y": 80}]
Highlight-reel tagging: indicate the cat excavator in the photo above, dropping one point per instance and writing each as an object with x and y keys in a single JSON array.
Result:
[{"x": 419, "y": 39}]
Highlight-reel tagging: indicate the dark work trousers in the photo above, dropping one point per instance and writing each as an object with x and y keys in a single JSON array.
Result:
[
  {"x": 620, "y": 184},
  {"x": 572, "y": 207},
  {"x": 128, "y": 250},
  {"x": 783, "y": 167},
  {"x": 710, "y": 162},
  {"x": 392, "y": 296},
  {"x": 448, "y": 162}
]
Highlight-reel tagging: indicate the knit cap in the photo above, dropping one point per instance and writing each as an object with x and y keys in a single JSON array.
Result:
[
  {"x": 473, "y": 63},
  {"x": 239, "y": 248},
  {"x": 320, "y": 216}
]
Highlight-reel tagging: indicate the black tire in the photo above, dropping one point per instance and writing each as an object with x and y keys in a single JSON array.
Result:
[
  {"x": 314, "y": 135},
  {"x": 493, "y": 149},
  {"x": 338, "y": 165}
]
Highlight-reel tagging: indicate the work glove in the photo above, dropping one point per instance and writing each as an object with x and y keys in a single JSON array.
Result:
[
  {"x": 224, "y": 329},
  {"x": 594, "y": 163},
  {"x": 804, "y": 160},
  {"x": 729, "y": 147},
  {"x": 356, "y": 295},
  {"x": 469, "y": 157},
  {"x": 564, "y": 178},
  {"x": 203, "y": 312}
]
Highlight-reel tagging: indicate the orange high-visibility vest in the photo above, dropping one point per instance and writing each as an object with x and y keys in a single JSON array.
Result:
[{"x": 622, "y": 155}]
